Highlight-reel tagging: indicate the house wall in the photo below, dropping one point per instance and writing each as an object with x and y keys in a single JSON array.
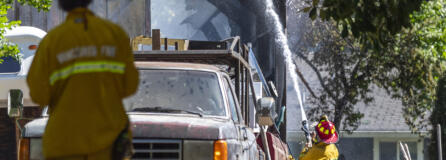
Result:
[
  {"x": 369, "y": 145},
  {"x": 427, "y": 142},
  {"x": 356, "y": 148},
  {"x": 349, "y": 148},
  {"x": 385, "y": 148}
]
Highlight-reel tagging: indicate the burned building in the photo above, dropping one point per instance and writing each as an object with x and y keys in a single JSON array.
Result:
[{"x": 209, "y": 20}]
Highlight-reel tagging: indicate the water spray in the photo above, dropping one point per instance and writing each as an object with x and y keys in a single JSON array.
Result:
[{"x": 282, "y": 40}]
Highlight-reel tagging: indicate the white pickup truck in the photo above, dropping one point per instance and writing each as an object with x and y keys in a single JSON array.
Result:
[{"x": 190, "y": 105}]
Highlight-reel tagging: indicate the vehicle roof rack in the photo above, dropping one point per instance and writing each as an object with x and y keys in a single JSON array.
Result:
[
  {"x": 236, "y": 53},
  {"x": 231, "y": 53}
]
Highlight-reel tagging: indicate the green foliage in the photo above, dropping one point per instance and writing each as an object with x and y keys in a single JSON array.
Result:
[
  {"x": 41, "y": 5},
  {"x": 413, "y": 61},
  {"x": 430, "y": 28},
  {"x": 371, "y": 21},
  {"x": 6, "y": 48},
  {"x": 407, "y": 66},
  {"x": 9, "y": 50}
]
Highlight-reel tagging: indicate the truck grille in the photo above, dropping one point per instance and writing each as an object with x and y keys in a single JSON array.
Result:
[{"x": 153, "y": 149}]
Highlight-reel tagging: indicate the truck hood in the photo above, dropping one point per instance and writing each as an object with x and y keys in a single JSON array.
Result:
[
  {"x": 181, "y": 127},
  {"x": 163, "y": 126}
]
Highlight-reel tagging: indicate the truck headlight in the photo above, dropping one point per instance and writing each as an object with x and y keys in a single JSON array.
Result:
[
  {"x": 220, "y": 150},
  {"x": 23, "y": 149},
  {"x": 35, "y": 149},
  {"x": 198, "y": 150}
]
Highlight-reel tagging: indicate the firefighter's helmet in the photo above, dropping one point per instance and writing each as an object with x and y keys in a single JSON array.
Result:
[{"x": 326, "y": 131}]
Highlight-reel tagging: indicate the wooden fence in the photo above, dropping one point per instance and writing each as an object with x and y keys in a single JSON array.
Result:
[{"x": 132, "y": 15}]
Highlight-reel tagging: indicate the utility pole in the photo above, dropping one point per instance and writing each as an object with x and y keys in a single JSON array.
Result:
[
  {"x": 440, "y": 156},
  {"x": 106, "y": 9},
  {"x": 147, "y": 19}
]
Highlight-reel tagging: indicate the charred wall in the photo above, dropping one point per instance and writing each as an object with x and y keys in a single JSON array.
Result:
[
  {"x": 187, "y": 19},
  {"x": 216, "y": 19}
]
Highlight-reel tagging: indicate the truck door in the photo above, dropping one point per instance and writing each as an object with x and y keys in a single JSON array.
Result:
[{"x": 243, "y": 131}]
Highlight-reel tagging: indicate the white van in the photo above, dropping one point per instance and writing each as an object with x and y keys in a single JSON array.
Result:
[{"x": 12, "y": 72}]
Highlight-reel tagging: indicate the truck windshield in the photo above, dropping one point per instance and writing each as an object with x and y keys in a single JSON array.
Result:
[{"x": 177, "y": 91}]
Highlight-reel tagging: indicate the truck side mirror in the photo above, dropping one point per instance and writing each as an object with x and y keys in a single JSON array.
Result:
[
  {"x": 265, "y": 111},
  {"x": 15, "y": 103}
]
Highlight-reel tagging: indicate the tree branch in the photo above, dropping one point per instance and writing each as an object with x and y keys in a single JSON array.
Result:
[
  {"x": 356, "y": 68},
  {"x": 318, "y": 74},
  {"x": 305, "y": 82}
]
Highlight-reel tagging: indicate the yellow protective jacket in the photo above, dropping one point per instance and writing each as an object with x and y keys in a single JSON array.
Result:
[
  {"x": 320, "y": 151},
  {"x": 82, "y": 70}
]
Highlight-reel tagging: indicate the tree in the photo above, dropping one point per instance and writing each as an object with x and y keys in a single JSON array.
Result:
[
  {"x": 6, "y": 48},
  {"x": 342, "y": 70},
  {"x": 407, "y": 67},
  {"x": 389, "y": 17},
  {"x": 438, "y": 117},
  {"x": 414, "y": 60}
]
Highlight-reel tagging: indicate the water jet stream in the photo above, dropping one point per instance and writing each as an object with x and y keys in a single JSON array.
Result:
[{"x": 282, "y": 40}]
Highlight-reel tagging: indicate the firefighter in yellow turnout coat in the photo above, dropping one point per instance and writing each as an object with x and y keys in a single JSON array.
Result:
[
  {"x": 323, "y": 147},
  {"x": 82, "y": 70}
]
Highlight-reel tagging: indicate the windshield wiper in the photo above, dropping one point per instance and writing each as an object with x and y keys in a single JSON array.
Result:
[
  {"x": 189, "y": 112},
  {"x": 165, "y": 110},
  {"x": 147, "y": 109}
]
